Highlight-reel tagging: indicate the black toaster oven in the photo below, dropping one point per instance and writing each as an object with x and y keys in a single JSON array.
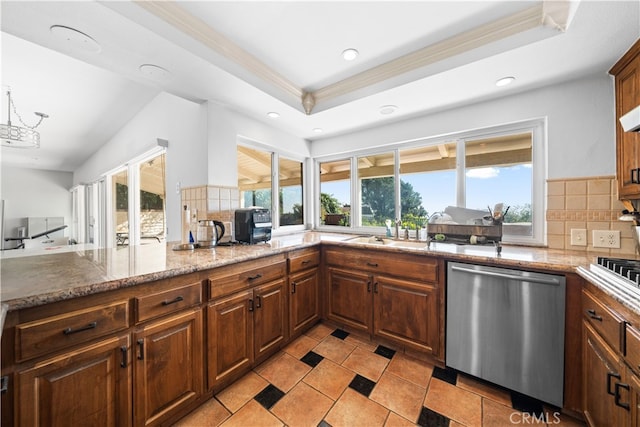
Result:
[{"x": 252, "y": 225}]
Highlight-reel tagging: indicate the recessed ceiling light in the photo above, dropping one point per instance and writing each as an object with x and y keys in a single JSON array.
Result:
[
  {"x": 155, "y": 72},
  {"x": 76, "y": 39},
  {"x": 317, "y": 130},
  {"x": 273, "y": 114},
  {"x": 388, "y": 109},
  {"x": 350, "y": 54},
  {"x": 505, "y": 81}
]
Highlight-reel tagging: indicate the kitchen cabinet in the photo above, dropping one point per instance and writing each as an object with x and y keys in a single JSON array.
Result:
[
  {"x": 605, "y": 387},
  {"x": 304, "y": 290},
  {"x": 129, "y": 357},
  {"x": 611, "y": 361},
  {"x": 396, "y": 296},
  {"x": 86, "y": 386},
  {"x": 627, "y": 92},
  {"x": 168, "y": 363},
  {"x": 246, "y": 326}
]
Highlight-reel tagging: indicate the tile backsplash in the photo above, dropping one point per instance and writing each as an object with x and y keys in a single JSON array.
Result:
[
  {"x": 211, "y": 201},
  {"x": 585, "y": 203}
]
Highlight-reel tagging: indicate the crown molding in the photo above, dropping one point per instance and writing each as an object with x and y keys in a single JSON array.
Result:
[{"x": 538, "y": 16}]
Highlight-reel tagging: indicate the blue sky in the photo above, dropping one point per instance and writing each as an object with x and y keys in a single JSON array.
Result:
[{"x": 484, "y": 187}]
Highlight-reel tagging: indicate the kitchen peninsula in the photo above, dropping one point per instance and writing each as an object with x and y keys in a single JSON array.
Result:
[{"x": 212, "y": 314}]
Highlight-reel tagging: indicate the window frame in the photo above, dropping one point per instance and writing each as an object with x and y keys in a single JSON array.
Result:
[
  {"x": 275, "y": 185},
  {"x": 538, "y": 129}
]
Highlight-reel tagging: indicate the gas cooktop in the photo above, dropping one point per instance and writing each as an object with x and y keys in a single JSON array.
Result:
[{"x": 624, "y": 268}]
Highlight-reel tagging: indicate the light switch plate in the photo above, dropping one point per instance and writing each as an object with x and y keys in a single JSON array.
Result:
[
  {"x": 578, "y": 237},
  {"x": 606, "y": 239}
]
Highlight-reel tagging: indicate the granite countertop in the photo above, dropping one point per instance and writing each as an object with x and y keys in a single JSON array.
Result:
[{"x": 29, "y": 281}]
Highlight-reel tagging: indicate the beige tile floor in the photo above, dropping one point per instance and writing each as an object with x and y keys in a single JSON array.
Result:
[{"x": 325, "y": 378}]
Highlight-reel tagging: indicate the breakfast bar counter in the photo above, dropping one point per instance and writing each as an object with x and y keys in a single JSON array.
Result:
[{"x": 29, "y": 281}]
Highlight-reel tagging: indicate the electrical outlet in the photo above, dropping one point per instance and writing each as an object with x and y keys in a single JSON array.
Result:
[
  {"x": 578, "y": 237},
  {"x": 606, "y": 239}
]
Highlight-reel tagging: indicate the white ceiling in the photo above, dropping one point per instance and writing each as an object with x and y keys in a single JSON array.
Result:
[{"x": 256, "y": 57}]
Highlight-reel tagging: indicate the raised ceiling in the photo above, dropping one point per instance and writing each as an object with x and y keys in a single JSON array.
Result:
[{"x": 256, "y": 57}]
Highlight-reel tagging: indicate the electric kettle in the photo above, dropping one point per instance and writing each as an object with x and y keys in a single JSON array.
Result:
[{"x": 209, "y": 233}]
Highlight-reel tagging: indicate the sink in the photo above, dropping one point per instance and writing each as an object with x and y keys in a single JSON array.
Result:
[{"x": 370, "y": 240}]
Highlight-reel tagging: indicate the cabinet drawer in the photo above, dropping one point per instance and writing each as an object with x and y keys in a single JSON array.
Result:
[
  {"x": 304, "y": 259},
  {"x": 632, "y": 339},
  {"x": 246, "y": 275},
  {"x": 607, "y": 322},
  {"x": 53, "y": 333},
  {"x": 417, "y": 267},
  {"x": 169, "y": 301}
]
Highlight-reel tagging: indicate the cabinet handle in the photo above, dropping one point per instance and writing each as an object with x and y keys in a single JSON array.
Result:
[
  {"x": 257, "y": 276},
  {"x": 635, "y": 176},
  {"x": 375, "y": 287},
  {"x": 250, "y": 305},
  {"x": 368, "y": 285},
  {"x": 258, "y": 301},
  {"x": 124, "y": 350},
  {"x": 372, "y": 264},
  {"x": 69, "y": 331},
  {"x": 592, "y": 314},
  {"x": 609, "y": 376},
  {"x": 173, "y": 301},
  {"x": 617, "y": 395},
  {"x": 293, "y": 287},
  {"x": 140, "y": 349},
  {"x": 306, "y": 261},
  {"x": 4, "y": 384}
]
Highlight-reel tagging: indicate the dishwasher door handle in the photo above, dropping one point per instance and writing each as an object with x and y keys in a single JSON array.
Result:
[{"x": 540, "y": 280}]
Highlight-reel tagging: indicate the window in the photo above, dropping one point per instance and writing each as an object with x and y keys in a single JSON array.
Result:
[
  {"x": 377, "y": 189},
  {"x": 499, "y": 170},
  {"x": 290, "y": 172},
  {"x": 473, "y": 170},
  {"x": 427, "y": 181},
  {"x": 254, "y": 177},
  {"x": 335, "y": 192},
  {"x": 257, "y": 185}
]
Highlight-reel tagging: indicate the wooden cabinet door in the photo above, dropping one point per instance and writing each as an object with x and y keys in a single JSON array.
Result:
[
  {"x": 406, "y": 312},
  {"x": 628, "y": 143},
  {"x": 602, "y": 376},
  {"x": 230, "y": 336},
  {"x": 168, "y": 367},
  {"x": 634, "y": 383},
  {"x": 304, "y": 302},
  {"x": 269, "y": 317},
  {"x": 90, "y": 386},
  {"x": 349, "y": 298}
]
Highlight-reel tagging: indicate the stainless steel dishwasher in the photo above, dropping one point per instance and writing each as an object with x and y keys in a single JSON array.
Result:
[{"x": 507, "y": 327}]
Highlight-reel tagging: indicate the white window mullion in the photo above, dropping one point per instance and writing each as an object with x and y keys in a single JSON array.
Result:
[
  {"x": 133, "y": 182},
  {"x": 461, "y": 166},
  {"x": 397, "y": 184},
  {"x": 275, "y": 191}
]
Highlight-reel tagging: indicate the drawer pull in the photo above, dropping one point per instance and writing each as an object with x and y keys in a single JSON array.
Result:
[
  {"x": 293, "y": 287},
  {"x": 609, "y": 376},
  {"x": 257, "y": 276},
  {"x": 617, "y": 395},
  {"x": 124, "y": 350},
  {"x": 592, "y": 314},
  {"x": 306, "y": 261},
  {"x": 141, "y": 349},
  {"x": 173, "y": 301},
  {"x": 372, "y": 264},
  {"x": 69, "y": 331},
  {"x": 258, "y": 301},
  {"x": 250, "y": 305}
]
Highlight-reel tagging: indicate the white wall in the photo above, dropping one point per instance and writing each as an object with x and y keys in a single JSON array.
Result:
[
  {"x": 580, "y": 114},
  {"x": 226, "y": 127},
  {"x": 184, "y": 124},
  {"x": 34, "y": 193}
]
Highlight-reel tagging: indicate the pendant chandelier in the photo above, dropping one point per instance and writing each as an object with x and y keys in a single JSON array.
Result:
[{"x": 17, "y": 136}]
